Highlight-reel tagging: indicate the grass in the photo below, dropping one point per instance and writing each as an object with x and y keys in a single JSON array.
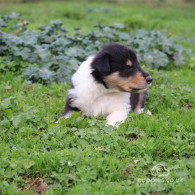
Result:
[
  {"x": 83, "y": 156},
  {"x": 177, "y": 20}
]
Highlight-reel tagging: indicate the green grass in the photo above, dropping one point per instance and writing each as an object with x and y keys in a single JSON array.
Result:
[
  {"x": 83, "y": 156},
  {"x": 178, "y": 20}
]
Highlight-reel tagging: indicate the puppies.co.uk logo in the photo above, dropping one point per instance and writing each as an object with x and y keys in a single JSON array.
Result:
[
  {"x": 160, "y": 170},
  {"x": 160, "y": 174}
]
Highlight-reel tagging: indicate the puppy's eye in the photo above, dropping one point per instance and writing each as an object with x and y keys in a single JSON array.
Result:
[{"x": 128, "y": 67}]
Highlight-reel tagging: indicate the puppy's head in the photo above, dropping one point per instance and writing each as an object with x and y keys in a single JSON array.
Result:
[{"x": 117, "y": 67}]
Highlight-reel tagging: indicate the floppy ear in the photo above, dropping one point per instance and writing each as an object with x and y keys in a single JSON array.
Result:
[{"x": 101, "y": 64}]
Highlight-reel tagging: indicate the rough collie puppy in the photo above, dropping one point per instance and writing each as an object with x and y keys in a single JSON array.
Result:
[{"x": 110, "y": 82}]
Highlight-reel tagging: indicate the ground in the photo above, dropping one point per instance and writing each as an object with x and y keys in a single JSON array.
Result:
[{"x": 145, "y": 155}]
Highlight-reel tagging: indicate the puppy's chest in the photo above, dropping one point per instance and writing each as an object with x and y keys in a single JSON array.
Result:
[{"x": 105, "y": 104}]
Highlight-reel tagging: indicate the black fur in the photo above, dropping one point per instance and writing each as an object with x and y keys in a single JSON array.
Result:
[
  {"x": 68, "y": 108},
  {"x": 101, "y": 67},
  {"x": 113, "y": 57},
  {"x": 137, "y": 100}
]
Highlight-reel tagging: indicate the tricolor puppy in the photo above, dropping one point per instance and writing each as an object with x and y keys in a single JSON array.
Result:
[{"x": 110, "y": 82}]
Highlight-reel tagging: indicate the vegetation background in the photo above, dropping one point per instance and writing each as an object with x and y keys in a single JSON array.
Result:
[{"x": 83, "y": 156}]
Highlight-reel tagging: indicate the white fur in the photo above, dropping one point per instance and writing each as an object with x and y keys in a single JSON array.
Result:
[{"x": 92, "y": 98}]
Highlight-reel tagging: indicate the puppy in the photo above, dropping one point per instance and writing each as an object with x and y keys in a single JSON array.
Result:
[{"x": 110, "y": 82}]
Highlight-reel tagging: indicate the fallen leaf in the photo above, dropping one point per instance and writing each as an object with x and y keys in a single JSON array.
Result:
[{"x": 37, "y": 185}]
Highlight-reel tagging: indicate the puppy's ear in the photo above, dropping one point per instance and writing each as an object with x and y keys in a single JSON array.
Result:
[{"x": 101, "y": 64}]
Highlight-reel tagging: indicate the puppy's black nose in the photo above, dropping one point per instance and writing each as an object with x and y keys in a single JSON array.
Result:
[{"x": 148, "y": 79}]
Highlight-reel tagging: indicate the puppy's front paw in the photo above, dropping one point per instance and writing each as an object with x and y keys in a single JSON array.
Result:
[
  {"x": 116, "y": 117},
  {"x": 139, "y": 110}
]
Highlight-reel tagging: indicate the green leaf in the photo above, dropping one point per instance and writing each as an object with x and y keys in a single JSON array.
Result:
[{"x": 18, "y": 120}]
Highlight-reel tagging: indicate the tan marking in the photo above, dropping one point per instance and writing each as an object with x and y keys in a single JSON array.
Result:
[
  {"x": 114, "y": 81},
  {"x": 129, "y": 63}
]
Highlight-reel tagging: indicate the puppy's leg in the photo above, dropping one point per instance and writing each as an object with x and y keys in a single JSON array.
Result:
[
  {"x": 68, "y": 109},
  {"x": 67, "y": 112},
  {"x": 116, "y": 116},
  {"x": 137, "y": 102}
]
